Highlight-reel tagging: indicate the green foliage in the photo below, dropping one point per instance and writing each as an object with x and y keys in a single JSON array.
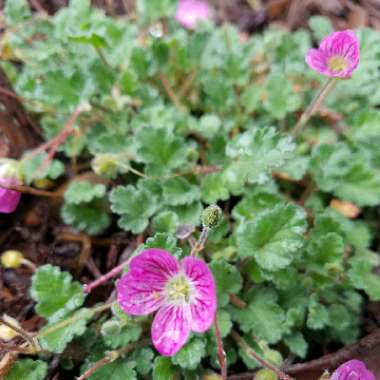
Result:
[
  {"x": 27, "y": 369},
  {"x": 68, "y": 295},
  {"x": 178, "y": 120},
  {"x": 273, "y": 237}
]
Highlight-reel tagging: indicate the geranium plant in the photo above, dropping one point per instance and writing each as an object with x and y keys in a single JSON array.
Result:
[{"x": 220, "y": 199}]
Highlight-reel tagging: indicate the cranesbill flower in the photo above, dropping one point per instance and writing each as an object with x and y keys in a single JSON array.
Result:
[
  {"x": 9, "y": 199},
  {"x": 183, "y": 292},
  {"x": 337, "y": 55},
  {"x": 190, "y": 12},
  {"x": 352, "y": 370}
]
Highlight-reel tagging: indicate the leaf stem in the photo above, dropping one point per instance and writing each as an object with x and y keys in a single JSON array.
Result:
[
  {"x": 252, "y": 353},
  {"x": 111, "y": 356},
  {"x": 221, "y": 354},
  {"x": 314, "y": 105},
  {"x": 65, "y": 322}
]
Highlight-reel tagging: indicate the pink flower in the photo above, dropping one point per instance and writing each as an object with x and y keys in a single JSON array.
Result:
[
  {"x": 190, "y": 12},
  {"x": 337, "y": 55},
  {"x": 352, "y": 370},
  {"x": 9, "y": 199},
  {"x": 183, "y": 292}
]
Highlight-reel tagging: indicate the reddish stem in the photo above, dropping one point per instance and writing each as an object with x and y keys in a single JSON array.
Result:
[
  {"x": 221, "y": 354},
  {"x": 101, "y": 280}
]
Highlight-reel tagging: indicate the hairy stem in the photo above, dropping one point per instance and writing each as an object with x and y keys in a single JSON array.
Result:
[
  {"x": 200, "y": 244},
  {"x": 20, "y": 331},
  {"x": 314, "y": 105},
  {"x": 67, "y": 321},
  {"x": 221, "y": 354},
  {"x": 250, "y": 352}
]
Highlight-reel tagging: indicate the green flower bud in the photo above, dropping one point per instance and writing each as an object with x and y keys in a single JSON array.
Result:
[
  {"x": 211, "y": 216},
  {"x": 105, "y": 165},
  {"x": 110, "y": 328},
  {"x": 265, "y": 374},
  {"x": 11, "y": 259}
]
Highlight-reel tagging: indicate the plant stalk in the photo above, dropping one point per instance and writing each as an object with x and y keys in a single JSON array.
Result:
[{"x": 314, "y": 105}]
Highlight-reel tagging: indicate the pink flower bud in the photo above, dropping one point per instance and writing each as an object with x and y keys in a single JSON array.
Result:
[
  {"x": 190, "y": 12},
  {"x": 9, "y": 175}
]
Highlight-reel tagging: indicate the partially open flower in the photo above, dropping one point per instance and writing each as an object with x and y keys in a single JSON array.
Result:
[
  {"x": 9, "y": 175},
  {"x": 190, "y": 12},
  {"x": 183, "y": 292},
  {"x": 337, "y": 55},
  {"x": 352, "y": 370}
]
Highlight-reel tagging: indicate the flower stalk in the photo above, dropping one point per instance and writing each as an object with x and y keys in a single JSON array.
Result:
[
  {"x": 314, "y": 105},
  {"x": 250, "y": 352}
]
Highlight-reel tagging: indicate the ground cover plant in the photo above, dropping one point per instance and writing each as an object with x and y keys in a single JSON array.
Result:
[{"x": 231, "y": 183}]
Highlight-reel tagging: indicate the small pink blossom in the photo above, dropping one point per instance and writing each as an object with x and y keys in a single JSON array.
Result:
[
  {"x": 352, "y": 370},
  {"x": 183, "y": 292},
  {"x": 9, "y": 199},
  {"x": 337, "y": 55},
  {"x": 190, "y": 12}
]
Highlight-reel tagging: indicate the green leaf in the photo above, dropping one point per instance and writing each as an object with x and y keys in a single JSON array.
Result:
[
  {"x": 254, "y": 203},
  {"x": 362, "y": 276},
  {"x": 263, "y": 316},
  {"x": 27, "y": 369},
  {"x": 166, "y": 221},
  {"x": 318, "y": 315},
  {"x": 163, "y": 369},
  {"x": 121, "y": 369},
  {"x": 321, "y": 26},
  {"x": 191, "y": 354},
  {"x": 297, "y": 344},
  {"x": 224, "y": 322},
  {"x": 274, "y": 237},
  {"x": 135, "y": 205},
  {"x": 144, "y": 360},
  {"x": 91, "y": 217},
  {"x": 55, "y": 292},
  {"x": 164, "y": 241},
  {"x": 57, "y": 340},
  {"x": 130, "y": 333},
  {"x": 83, "y": 192},
  {"x": 16, "y": 11},
  {"x": 178, "y": 191},
  {"x": 161, "y": 150},
  {"x": 254, "y": 154},
  {"x": 349, "y": 175},
  {"x": 228, "y": 280},
  {"x": 36, "y": 168},
  {"x": 281, "y": 97},
  {"x": 213, "y": 188}
]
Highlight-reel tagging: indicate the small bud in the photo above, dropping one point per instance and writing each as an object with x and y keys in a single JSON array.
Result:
[
  {"x": 43, "y": 183},
  {"x": 11, "y": 259},
  {"x": 265, "y": 374},
  {"x": 105, "y": 165},
  {"x": 274, "y": 357},
  {"x": 211, "y": 216},
  {"x": 7, "y": 333},
  {"x": 110, "y": 328},
  {"x": 212, "y": 376}
]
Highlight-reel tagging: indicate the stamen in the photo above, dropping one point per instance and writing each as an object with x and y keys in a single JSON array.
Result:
[
  {"x": 337, "y": 63},
  {"x": 179, "y": 290}
]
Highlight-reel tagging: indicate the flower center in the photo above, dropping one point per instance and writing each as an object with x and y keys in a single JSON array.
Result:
[
  {"x": 337, "y": 63},
  {"x": 178, "y": 290}
]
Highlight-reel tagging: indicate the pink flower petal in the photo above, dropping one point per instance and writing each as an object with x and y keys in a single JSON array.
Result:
[
  {"x": 9, "y": 199},
  {"x": 203, "y": 306},
  {"x": 171, "y": 329},
  {"x": 140, "y": 290},
  {"x": 352, "y": 370},
  {"x": 190, "y": 12},
  {"x": 343, "y": 44}
]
